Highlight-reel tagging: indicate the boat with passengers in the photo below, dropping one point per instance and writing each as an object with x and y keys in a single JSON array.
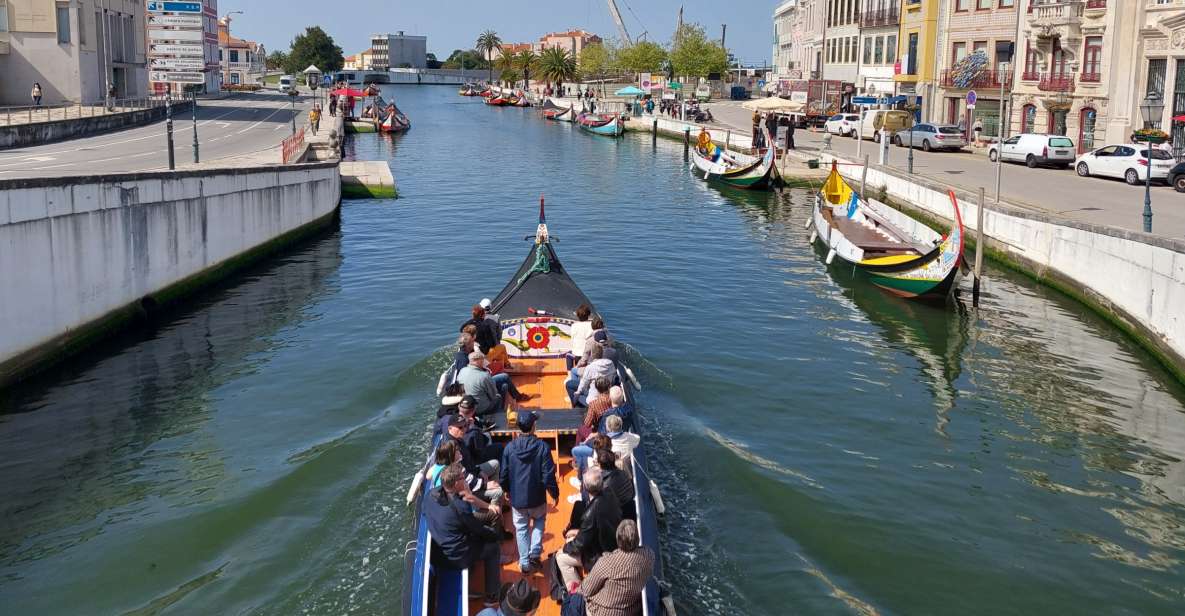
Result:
[{"x": 536, "y": 310}]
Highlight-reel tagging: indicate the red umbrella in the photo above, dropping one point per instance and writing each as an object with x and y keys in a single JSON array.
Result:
[
  {"x": 348, "y": 92},
  {"x": 1179, "y": 118}
]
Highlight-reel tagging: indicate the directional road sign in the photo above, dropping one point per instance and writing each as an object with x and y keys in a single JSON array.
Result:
[
  {"x": 175, "y": 35},
  {"x": 179, "y": 50},
  {"x": 177, "y": 64},
  {"x": 180, "y": 21},
  {"x": 177, "y": 76},
  {"x": 174, "y": 7}
]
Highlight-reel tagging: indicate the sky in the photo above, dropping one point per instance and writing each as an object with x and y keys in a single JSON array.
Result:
[{"x": 455, "y": 24}]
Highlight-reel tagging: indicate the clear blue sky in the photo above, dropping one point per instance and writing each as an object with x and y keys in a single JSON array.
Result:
[{"x": 453, "y": 24}]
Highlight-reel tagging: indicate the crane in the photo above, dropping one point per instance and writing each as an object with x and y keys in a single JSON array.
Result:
[{"x": 620, "y": 23}]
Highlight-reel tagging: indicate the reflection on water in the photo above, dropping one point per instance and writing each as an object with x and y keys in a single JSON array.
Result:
[{"x": 822, "y": 447}]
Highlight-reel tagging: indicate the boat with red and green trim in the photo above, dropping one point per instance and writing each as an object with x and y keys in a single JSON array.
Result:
[{"x": 734, "y": 168}]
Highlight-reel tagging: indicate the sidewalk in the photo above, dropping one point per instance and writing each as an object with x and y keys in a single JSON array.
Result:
[{"x": 1054, "y": 192}]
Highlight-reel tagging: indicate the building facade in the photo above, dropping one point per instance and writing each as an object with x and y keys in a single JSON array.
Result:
[
  {"x": 978, "y": 41},
  {"x": 210, "y": 46},
  {"x": 573, "y": 41},
  {"x": 783, "y": 60},
  {"x": 77, "y": 50},
  {"x": 809, "y": 30},
  {"x": 880, "y": 22},
  {"x": 398, "y": 50},
  {"x": 361, "y": 61},
  {"x": 241, "y": 62},
  {"x": 841, "y": 41},
  {"x": 1160, "y": 67},
  {"x": 915, "y": 71},
  {"x": 1075, "y": 74}
]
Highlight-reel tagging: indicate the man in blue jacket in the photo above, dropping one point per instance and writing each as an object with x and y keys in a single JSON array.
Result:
[
  {"x": 528, "y": 474},
  {"x": 463, "y": 540}
]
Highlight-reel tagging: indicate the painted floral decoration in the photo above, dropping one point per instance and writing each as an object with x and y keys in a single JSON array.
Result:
[{"x": 538, "y": 337}]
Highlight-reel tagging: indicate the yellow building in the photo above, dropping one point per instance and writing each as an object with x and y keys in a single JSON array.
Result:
[{"x": 917, "y": 49}]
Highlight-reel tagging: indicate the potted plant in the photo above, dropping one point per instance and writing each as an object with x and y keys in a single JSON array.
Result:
[{"x": 1149, "y": 135}]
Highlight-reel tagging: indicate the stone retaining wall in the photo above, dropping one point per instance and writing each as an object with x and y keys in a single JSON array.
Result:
[{"x": 37, "y": 133}]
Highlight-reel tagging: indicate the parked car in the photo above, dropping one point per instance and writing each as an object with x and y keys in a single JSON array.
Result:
[
  {"x": 1129, "y": 162},
  {"x": 932, "y": 137},
  {"x": 1035, "y": 149},
  {"x": 888, "y": 121},
  {"x": 841, "y": 124},
  {"x": 1176, "y": 177},
  {"x": 286, "y": 83}
]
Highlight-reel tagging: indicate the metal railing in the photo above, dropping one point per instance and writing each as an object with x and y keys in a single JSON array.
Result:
[
  {"x": 985, "y": 79},
  {"x": 888, "y": 16},
  {"x": 1096, "y": 4},
  {"x": 1057, "y": 13},
  {"x": 30, "y": 114},
  {"x": 1030, "y": 76},
  {"x": 292, "y": 145},
  {"x": 1056, "y": 83},
  {"x": 1092, "y": 77}
]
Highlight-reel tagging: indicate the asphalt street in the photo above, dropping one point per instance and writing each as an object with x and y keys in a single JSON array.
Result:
[
  {"x": 226, "y": 128},
  {"x": 1056, "y": 192}
]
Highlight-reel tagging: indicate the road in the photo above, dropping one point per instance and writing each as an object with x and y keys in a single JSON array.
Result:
[
  {"x": 1054, "y": 192},
  {"x": 228, "y": 129}
]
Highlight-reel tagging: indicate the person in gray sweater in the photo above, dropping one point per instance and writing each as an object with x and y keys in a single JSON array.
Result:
[{"x": 479, "y": 384}]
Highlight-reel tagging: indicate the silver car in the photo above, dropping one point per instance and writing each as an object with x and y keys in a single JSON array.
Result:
[{"x": 932, "y": 137}]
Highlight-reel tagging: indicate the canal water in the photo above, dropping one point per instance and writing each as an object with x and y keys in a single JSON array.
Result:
[{"x": 823, "y": 448}]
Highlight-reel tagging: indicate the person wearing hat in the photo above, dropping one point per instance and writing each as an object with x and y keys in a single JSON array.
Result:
[
  {"x": 463, "y": 540},
  {"x": 518, "y": 599},
  {"x": 479, "y": 384},
  {"x": 458, "y": 430},
  {"x": 528, "y": 474},
  {"x": 493, "y": 319}
]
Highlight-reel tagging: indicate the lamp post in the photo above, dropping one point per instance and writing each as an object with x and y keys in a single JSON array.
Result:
[
  {"x": 1150, "y": 108},
  {"x": 1004, "y": 120}
]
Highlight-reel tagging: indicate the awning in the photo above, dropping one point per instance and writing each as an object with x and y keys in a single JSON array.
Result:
[
  {"x": 349, "y": 92},
  {"x": 773, "y": 104},
  {"x": 629, "y": 91}
]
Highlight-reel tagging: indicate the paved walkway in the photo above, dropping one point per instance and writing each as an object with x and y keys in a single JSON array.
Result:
[{"x": 1054, "y": 192}]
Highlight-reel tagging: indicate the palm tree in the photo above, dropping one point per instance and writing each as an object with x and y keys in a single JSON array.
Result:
[
  {"x": 487, "y": 42},
  {"x": 525, "y": 61},
  {"x": 556, "y": 65},
  {"x": 505, "y": 65}
]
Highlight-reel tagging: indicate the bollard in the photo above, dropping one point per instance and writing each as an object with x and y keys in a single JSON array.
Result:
[
  {"x": 193, "y": 108},
  {"x": 686, "y": 140},
  {"x": 654, "y": 133},
  {"x": 978, "y": 250},
  {"x": 864, "y": 178},
  {"x": 727, "y": 139},
  {"x": 169, "y": 133}
]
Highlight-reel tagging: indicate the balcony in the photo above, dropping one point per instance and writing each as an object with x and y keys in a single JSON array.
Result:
[
  {"x": 1030, "y": 76},
  {"x": 887, "y": 16},
  {"x": 1091, "y": 77},
  {"x": 985, "y": 79},
  {"x": 1051, "y": 17},
  {"x": 1096, "y": 4},
  {"x": 1056, "y": 83}
]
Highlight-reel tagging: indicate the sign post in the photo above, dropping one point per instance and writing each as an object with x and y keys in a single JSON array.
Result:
[
  {"x": 971, "y": 98},
  {"x": 176, "y": 37}
]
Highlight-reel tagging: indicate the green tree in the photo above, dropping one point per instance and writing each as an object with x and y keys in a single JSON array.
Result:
[
  {"x": 642, "y": 57},
  {"x": 277, "y": 60},
  {"x": 509, "y": 77},
  {"x": 525, "y": 61},
  {"x": 314, "y": 47},
  {"x": 432, "y": 62},
  {"x": 557, "y": 65},
  {"x": 487, "y": 42},
  {"x": 694, "y": 55},
  {"x": 471, "y": 58}
]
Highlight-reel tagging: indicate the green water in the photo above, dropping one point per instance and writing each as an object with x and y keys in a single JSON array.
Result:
[{"x": 824, "y": 449}]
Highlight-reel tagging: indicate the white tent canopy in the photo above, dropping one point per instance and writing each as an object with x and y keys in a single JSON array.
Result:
[
  {"x": 312, "y": 69},
  {"x": 773, "y": 104}
]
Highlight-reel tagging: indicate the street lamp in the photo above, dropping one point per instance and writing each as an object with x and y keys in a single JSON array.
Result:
[{"x": 1150, "y": 108}]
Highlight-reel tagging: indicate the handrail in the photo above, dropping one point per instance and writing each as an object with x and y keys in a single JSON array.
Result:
[{"x": 29, "y": 114}]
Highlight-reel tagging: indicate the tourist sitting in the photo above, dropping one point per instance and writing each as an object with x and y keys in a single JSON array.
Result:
[
  {"x": 518, "y": 599},
  {"x": 497, "y": 363},
  {"x": 487, "y": 334},
  {"x": 476, "y": 439},
  {"x": 463, "y": 540},
  {"x": 581, "y": 331},
  {"x": 597, "y": 367},
  {"x": 598, "y": 325},
  {"x": 598, "y": 403},
  {"x": 620, "y": 407},
  {"x": 448, "y": 454},
  {"x": 449, "y": 406},
  {"x": 584, "y": 451},
  {"x": 487, "y": 469},
  {"x": 601, "y": 339},
  {"x": 479, "y": 384},
  {"x": 592, "y": 531},
  {"x": 615, "y": 583},
  {"x": 466, "y": 344},
  {"x": 618, "y": 481},
  {"x": 494, "y": 322},
  {"x": 528, "y": 472},
  {"x": 624, "y": 442}
]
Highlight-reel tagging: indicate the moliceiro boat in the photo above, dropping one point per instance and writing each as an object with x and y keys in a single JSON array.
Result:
[
  {"x": 394, "y": 120},
  {"x": 552, "y": 111},
  {"x": 497, "y": 101},
  {"x": 733, "y": 168},
  {"x": 536, "y": 312},
  {"x": 897, "y": 253},
  {"x": 608, "y": 124}
]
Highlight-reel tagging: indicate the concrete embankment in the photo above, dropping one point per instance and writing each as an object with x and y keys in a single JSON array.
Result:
[
  {"x": 37, "y": 133},
  {"x": 85, "y": 255},
  {"x": 1135, "y": 280}
]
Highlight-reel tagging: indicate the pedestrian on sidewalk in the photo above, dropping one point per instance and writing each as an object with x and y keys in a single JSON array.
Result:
[
  {"x": 788, "y": 122},
  {"x": 36, "y": 93},
  {"x": 757, "y": 139},
  {"x": 315, "y": 119},
  {"x": 977, "y": 129}
]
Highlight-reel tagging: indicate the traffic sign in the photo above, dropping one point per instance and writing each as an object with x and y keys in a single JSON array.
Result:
[
  {"x": 971, "y": 98},
  {"x": 864, "y": 100},
  {"x": 180, "y": 21},
  {"x": 172, "y": 64},
  {"x": 167, "y": 49},
  {"x": 175, "y": 35},
  {"x": 177, "y": 76},
  {"x": 174, "y": 7}
]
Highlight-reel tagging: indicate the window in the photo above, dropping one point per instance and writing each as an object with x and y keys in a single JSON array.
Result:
[
  {"x": 1028, "y": 118},
  {"x": 958, "y": 51},
  {"x": 1006, "y": 4},
  {"x": 1156, "y": 71},
  {"x": 912, "y": 50},
  {"x": 1092, "y": 56},
  {"x": 1030, "y": 62},
  {"x": 979, "y": 46},
  {"x": 962, "y": 5},
  {"x": 868, "y": 49},
  {"x": 878, "y": 55},
  {"x": 234, "y": 55},
  {"x": 63, "y": 14},
  {"x": 1057, "y": 65},
  {"x": 3, "y": 16},
  {"x": 1003, "y": 54},
  {"x": 890, "y": 49},
  {"x": 1086, "y": 124},
  {"x": 984, "y": 5}
]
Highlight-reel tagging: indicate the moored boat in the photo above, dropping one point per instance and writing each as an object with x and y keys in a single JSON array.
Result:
[
  {"x": 394, "y": 120},
  {"x": 608, "y": 124},
  {"x": 537, "y": 309},
  {"x": 552, "y": 111},
  {"x": 734, "y": 168},
  {"x": 897, "y": 253},
  {"x": 497, "y": 101}
]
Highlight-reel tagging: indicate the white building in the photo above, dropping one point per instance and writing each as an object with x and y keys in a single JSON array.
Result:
[
  {"x": 398, "y": 50},
  {"x": 76, "y": 50},
  {"x": 784, "y": 66},
  {"x": 841, "y": 43},
  {"x": 880, "y": 22}
]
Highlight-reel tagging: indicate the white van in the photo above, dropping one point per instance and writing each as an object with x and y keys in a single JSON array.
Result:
[
  {"x": 286, "y": 83},
  {"x": 1035, "y": 149},
  {"x": 889, "y": 121}
]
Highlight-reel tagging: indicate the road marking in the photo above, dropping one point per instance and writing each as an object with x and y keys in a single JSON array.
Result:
[{"x": 40, "y": 159}]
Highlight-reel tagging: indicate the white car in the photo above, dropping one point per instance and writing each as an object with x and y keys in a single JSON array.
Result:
[
  {"x": 1129, "y": 162},
  {"x": 842, "y": 124}
]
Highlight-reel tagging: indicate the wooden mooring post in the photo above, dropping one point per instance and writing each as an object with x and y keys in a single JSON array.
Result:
[
  {"x": 978, "y": 250},
  {"x": 686, "y": 141},
  {"x": 864, "y": 178},
  {"x": 654, "y": 132}
]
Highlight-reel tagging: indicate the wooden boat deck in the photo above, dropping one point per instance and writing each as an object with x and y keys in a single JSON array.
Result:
[
  {"x": 867, "y": 238},
  {"x": 544, "y": 380}
]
